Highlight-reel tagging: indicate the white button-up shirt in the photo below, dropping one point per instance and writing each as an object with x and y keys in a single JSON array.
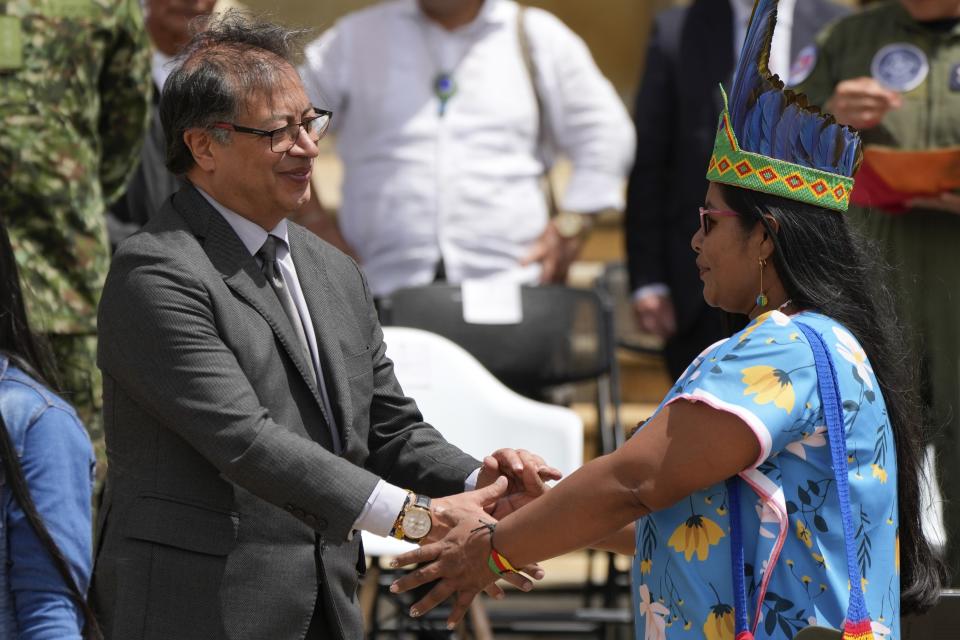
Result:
[{"x": 465, "y": 186}]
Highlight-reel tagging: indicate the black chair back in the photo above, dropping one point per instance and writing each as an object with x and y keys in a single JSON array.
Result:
[{"x": 565, "y": 334}]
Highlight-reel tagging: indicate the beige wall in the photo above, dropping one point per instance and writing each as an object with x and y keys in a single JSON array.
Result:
[{"x": 615, "y": 30}]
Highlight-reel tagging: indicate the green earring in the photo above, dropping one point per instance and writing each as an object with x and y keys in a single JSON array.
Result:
[{"x": 762, "y": 297}]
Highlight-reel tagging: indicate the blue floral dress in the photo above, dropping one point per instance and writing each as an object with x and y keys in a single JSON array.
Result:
[{"x": 790, "y": 514}]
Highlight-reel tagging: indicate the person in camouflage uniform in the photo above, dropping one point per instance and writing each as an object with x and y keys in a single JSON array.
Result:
[
  {"x": 74, "y": 91},
  {"x": 921, "y": 245}
]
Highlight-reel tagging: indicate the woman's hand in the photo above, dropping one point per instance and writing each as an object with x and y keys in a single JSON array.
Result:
[{"x": 459, "y": 563}]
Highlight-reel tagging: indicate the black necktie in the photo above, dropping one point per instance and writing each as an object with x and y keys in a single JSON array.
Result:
[{"x": 268, "y": 256}]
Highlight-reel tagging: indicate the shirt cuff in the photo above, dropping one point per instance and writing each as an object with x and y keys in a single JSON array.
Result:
[
  {"x": 471, "y": 482},
  {"x": 592, "y": 191},
  {"x": 652, "y": 289},
  {"x": 382, "y": 508}
]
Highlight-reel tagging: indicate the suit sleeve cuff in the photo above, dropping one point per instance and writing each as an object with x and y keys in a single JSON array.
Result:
[
  {"x": 382, "y": 508},
  {"x": 654, "y": 288}
]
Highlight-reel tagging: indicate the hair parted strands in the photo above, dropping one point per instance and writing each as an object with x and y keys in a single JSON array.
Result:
[
  {"x": 230, "y": 57},
  {"x": 827, "y": 267}
]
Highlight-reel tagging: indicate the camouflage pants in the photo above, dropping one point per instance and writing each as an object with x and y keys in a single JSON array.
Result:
[{"x": 82, "y": 387}]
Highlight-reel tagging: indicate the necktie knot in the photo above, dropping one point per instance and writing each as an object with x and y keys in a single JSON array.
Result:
[{"x": 268, "y": 252}]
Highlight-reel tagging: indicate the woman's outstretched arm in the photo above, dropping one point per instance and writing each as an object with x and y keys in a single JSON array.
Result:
[{"x": 686, "y": 447}]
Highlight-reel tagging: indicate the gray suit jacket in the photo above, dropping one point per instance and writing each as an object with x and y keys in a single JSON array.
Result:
[{"x": 225, "y": 506}]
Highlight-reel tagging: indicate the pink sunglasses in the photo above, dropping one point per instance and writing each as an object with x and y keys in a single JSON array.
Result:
[{"x": 706, "y": 222}]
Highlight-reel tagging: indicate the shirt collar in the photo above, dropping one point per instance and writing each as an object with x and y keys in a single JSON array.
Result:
[
  {"x": 250, "y": 233},
  {"x": 491, "y": 12}
]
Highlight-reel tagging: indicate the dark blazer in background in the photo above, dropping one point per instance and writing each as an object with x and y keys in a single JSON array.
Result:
[
  {"x": 225, "y": 506},
  {"x": 691, "y": 52}
]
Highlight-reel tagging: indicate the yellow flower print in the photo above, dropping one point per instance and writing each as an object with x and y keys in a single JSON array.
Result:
[
  {"x": 806, "y": 579},
  {"x": 819, "y": 559},
  {"x": 721, "y": 511},
  {"x": 770, "y": 385},
  {"x": 720, "y": 623},
  {"x": 804, "y": 534},
  {"x": 645, "y": 566},
  {"x": 696, "y": 534},
  {"x": 753, "y": 327},
  {"x": 879, "y": 472}
]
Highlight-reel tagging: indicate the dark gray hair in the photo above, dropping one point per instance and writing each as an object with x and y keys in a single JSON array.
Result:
[{"x": 230, "y": 57}]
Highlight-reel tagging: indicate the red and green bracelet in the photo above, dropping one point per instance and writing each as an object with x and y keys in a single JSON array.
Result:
[{"x": 499, "y": 564}]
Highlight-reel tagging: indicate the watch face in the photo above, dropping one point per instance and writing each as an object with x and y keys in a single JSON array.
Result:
[{"x": 417, "y": 523}]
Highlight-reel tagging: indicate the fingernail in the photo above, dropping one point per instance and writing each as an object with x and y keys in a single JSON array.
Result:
[
  {"x": 394, "y": 588},
  {"x": 393, "y": 564},
  {"x": 414, "y": 613},
  {"x": 451, "y": 626},
  {"x": 500, "y": 596},
  {"x": 526, "y": 586}
]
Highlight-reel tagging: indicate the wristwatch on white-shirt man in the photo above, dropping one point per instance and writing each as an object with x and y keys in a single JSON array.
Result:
[
  {"x": 415, "y": 520},
  {"x": 571, "y": 225}
]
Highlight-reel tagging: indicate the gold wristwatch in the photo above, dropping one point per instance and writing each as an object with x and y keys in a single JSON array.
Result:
[
  {"x": 415, "y": 521},
  {"x": 570, "y": 225}
]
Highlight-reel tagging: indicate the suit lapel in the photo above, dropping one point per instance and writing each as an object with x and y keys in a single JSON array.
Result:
[
  {"x": 242, "y": 274},
  {"x": 708, "y": 32},
  {"x": 327, "y": 325}
]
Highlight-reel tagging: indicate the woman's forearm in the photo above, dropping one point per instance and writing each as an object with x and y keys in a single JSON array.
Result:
[
  {"x": 591, "y": 505},
  {"x": 622, "y": 542}
]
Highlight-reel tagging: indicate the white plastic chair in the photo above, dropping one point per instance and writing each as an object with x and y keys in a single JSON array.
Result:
[{"x": 473, "y": 410}]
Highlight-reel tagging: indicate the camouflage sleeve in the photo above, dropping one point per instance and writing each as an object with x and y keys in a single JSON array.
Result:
[
  {"x": 819, "y": 85},
  {"x": 125, "y": 88}
]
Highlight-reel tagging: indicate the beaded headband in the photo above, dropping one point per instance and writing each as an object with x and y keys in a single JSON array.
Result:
[{"x": 770, "y": 140}]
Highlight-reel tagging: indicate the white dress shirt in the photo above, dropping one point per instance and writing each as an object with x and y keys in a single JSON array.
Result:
[
  {"x": 465, "y": 186},
  {"x": 385, "y": 501}
]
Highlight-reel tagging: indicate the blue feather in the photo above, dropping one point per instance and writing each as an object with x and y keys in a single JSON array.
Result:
[{"x": 767, "y": 122}]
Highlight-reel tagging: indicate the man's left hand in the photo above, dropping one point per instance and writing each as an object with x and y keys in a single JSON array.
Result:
[
  {"x": 526, "y": 472},
  {"x": 555, "y": 253}
]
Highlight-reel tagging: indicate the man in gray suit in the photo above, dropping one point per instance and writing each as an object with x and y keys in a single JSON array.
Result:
[{"x": 253, "y": 421}]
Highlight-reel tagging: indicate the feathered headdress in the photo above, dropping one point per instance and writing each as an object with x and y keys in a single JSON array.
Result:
[{"x": 770, "y": 140}]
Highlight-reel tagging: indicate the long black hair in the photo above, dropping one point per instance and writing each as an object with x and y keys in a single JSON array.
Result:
[
  {"x": 825, "y": 266},
  {"x": 32, "y": 355}
]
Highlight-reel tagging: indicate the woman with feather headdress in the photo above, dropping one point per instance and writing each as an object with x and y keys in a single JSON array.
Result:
[{"x": 775, "y": 489}]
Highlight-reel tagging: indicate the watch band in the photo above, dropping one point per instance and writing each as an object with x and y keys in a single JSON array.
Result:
[{"x": 397, "y": 530}]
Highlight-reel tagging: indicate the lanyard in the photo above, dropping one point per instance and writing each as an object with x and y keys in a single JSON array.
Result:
[{"x": 857, "y": 622}]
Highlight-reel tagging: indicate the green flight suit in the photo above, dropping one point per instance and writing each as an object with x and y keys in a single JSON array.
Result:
[
  {"x": 922, "y": 246},
  {"x": 74, "y": 91}
]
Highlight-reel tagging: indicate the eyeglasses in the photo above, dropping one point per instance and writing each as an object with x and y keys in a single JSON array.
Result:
[
  {"x": 706, "y": 222},
  {"x": 283, "y": 139}
]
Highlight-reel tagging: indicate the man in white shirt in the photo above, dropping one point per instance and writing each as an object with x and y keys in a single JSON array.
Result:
[{"x": 444, "y": 146}]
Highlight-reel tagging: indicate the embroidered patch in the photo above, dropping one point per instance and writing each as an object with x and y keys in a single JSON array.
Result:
[
  {"x": 900, "y": 66},
  {"x": 802, "y": 65},
  {"x": 11, "y": 43}
]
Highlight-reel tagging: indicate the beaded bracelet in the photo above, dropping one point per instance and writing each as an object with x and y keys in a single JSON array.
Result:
[{"x": 499, "y": 564}]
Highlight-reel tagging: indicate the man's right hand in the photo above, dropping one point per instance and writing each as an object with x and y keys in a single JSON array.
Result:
[
  {"x": 654, "y": 313},
  {"x": 862, "y": 102}
]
